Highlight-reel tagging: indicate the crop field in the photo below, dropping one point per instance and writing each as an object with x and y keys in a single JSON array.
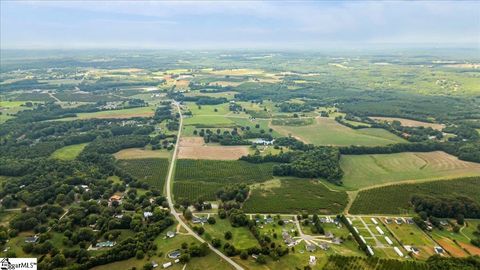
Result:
[
  {"x": 150, "y": 170},
  {"x": 292, "y": 121},
  {"x": 366, "y": 170},
  {"x": 195, "y": 148},
  {"x": 326, "y": 131},
  {"x": 410, "y": 123},
  {"x": 34, "y": 96},
  {"x": 294, "y": 195},
  {"x": 202, "y": 178},
  {"x": 69, "y": 152},
  {"x": 192, "y": 191},
  {"x": 395, "y": 199},
  {"x": 137, "y": 153},
  {"x": 222, "y": 172},
  {"x": 85, "y": 97}
]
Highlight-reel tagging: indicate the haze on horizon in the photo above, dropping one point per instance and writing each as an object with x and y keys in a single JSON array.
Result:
[{"x": 238, "y": 24}]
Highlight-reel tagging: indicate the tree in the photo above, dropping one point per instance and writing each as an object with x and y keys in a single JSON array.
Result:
[
  {"x": 244, "y": 255},
  {"x": 228, "y": 235},
  {"x": 59, "y": 260},
  {"x": 261, "y": 259},
  {"x": 187, "y": 214},
  {"x": 184, "y": 258},
  {"x": 216, "y": 242},
  {"x": 140, "y": 254},
  {"x": 211, "y": 220}
]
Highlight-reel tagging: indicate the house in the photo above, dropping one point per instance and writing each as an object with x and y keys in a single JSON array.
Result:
[
  {"x": 312, "y": 260},
  {"x": 197, "y": 220},
  {"x": 147, "y": 214},
  {"x": 329, "y": 235},
  {"x": 388, "y": 220},
  {"x": 439, "y": 250},
  {"x": 174, "y": 254},
  {"x": 337, "y": 241},
  {"x": 31, "y": 239},
  {"x": 166, "y": 265},
  {"x": 120, "y": 216},
  {"x": 310, "y": 247},
  {"x": 170, "y": 234},
  {"x": 115, "y": 198},
  {"x": 324, "y": 246},
  {"x": 443, "y": 223},
  {"x": 412, "y": 249},
  {"x": 409, "y": 221},
  {"x": 399, "y": 221},
  {"x": 154, "y": 264},
  {"x": 105, "y": 244},
  {"x": 269, "y": 220},
  {"x": 263, "y": 141}
]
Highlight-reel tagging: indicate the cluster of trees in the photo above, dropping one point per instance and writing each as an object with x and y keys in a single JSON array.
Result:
[
  {"x": 447, "y": 207},
  {"x": 476, "y": 241},
  {"x": 199, "y": 100},
  {"x": 463, "y": 132},
  {"x": 238, "y": 193},
  {"x": 233, "y": 137},
  {"x": 295, "y": 107}
]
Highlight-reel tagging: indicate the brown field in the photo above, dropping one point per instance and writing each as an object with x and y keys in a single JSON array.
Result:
[
  {"x": 410, "y": 123},
  {"x": 472, "y": 249},
  {"x": 182, "y": 83},
  {"x": 225, "y": 83},
  {"x": 137, "y": 153},
  {"x": 195, "y": 148},
  {"x": 449, "y": 246}
]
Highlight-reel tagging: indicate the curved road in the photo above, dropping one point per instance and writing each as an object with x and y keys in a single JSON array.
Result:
[{"x": 170, "y": 201}]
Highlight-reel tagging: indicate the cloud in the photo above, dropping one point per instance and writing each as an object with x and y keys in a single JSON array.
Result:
[{"x": 202, "y": 23}]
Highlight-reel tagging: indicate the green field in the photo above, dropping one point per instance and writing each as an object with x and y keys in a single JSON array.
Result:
[
  {"x": 292, "y": 195},
  {"x": 366, "y": 170},
  {"x": 123, "y": 113},
  {"x": 242, "y": 237},
  {"x": 395, "y": 199},
  {"x": 412, "y": 235},
  {"x": 150, "y": 170},
  {"x": 8, "y": 108},
  {"x": 69, "y": 152},
  {"x": 326, "y": 131}
]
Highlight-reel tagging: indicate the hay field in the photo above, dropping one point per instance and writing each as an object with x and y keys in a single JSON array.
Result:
[
  {"x": 195, "y": 148},
  {"x": 410, "y": 123},
  {"x": 326, "y": 131},
  {"x": 117, "y": 114},
  {"x": 366, "y": 170},
  {"x": 69, "y": 152}
]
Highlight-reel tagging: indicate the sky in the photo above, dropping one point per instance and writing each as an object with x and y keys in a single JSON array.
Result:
[{"x": 237, "y": 24}]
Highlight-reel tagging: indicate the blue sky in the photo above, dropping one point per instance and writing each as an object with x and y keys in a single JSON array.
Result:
[{"x": 237, "y": 24}]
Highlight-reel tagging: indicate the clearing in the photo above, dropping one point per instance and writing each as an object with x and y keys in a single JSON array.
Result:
[
  {"x": 118, "y": 114},
  {"x": 195, "y": 148},
  {"x": 410, "y": 123},
  {"x": 326, "y": 131},
  {"x": 366, "y": 170},
  {"x": 69, "y": 152}
]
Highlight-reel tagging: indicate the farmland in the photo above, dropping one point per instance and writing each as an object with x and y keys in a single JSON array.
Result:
[
  {"x": 69, "y": 152},
  {"x": 222, "y": 172},
  {"x": 366, "y": 170},
  {"x": 409, "y": 122},
  {"x": 294, "y": 195},
  {"x": 326, "y": 131},
  {"x": 118, "y": 114},
  {"x": 150, "y": 170},
  {"x": 395, "y": 199},
  {"x": 195, "y": 148},
  {"x": 136, "y": 153}
]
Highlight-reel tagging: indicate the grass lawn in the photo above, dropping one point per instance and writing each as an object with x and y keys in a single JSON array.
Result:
[
  {"x": 242, "y": 237},
  {"x": 367, "y": 170},
  {"x": 410, "y": 234},
  {"x": 292, "y": 195},
  {"x": 326, "y": 131},
  {"x": 69, "y": 152}
]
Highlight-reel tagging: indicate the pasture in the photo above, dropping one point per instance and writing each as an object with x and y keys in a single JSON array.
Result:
[
  {"x": 242, "y": 238},
  {"x": 326, "y": 131},
  {"x": 409, "y": 122},
  {"x": 138, "y": 153},
  {"x": 150, "y": 170},
  {"x": 69, "y": 152},
  {"x": 292, "y": 195},
  {"x": 195, "y": 148},
  {"x": 366, "y": 170},
  {"x": 395, "y": 199},
  {"x": 9, "y": 108}
]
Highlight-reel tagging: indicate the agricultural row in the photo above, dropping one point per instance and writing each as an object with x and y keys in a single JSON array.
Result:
[
  {"x": 294, "y": 195},
  {"x": 150, "y": 170},
  {"x": 395, "y": 199}
]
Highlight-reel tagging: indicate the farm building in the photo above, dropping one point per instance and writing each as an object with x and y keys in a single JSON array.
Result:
[
  {"x": 310, "y": 247},
  {"x": 379, "y": 230},
  {"x": 197, "y": 220},
  {"x": 388, "y": 240},
  {"x": 370, "y": 251},
  {"x": 154, "y": 264},
  {"x": 397, "y": 250},
  {"x": 147, "y": 214},
  {"x": 170, "y": 234},
  {"x": 312, "y": 260},
  {"x": 439, "y": 250},
  {"x": 166, "y": 265},
  {"x": 374, "y": 221}
]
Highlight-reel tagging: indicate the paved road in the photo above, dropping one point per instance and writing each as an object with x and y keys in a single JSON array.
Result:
[{"x": 173, "y": 211}]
